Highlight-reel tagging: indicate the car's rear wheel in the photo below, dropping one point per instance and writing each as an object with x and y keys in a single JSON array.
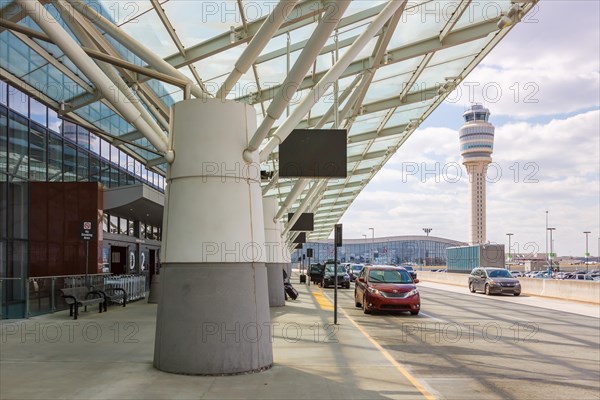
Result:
[
  {"x": 356, "y": 302},
  {"x": 414, "y": 312},
  {"x": 347, "y": 285},
  {"x": 487, "y": 289},
  {"x": 471, "y": 287},
  {"x": 365, "y": 307}
]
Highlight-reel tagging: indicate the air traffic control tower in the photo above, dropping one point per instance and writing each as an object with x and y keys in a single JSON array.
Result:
[{"x": 476, "y": 146}]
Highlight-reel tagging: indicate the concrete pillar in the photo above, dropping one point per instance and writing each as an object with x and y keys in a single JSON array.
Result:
[
  {"x": 213, "y": 313},
  {"x": 276, "y": 252}
]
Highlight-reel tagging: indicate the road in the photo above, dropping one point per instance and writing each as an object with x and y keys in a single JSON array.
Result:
[{"x": 465, "y": 346}]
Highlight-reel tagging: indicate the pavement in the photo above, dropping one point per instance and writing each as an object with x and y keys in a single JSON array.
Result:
[{"x": 109, "y": 356}]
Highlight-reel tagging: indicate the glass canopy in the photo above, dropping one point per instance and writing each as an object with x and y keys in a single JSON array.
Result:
[{"x": 397, "y": 79}]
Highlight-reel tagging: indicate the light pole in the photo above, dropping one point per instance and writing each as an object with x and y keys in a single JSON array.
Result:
[
  {"x": 509, "y": 257},
  {"x": 551, "y": 253},
  {"x": 427, "y": 231},
  {"x": 547, "y": 257},
  {"x": 365, "y": 236},
  {"x": 372, "y": 244},
  {"x": 586, "y": 251}
]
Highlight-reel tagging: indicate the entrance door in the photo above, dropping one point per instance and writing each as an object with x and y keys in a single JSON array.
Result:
[
  {"x": 152, "y": 264},
  {"x": 118, "y": 260}
]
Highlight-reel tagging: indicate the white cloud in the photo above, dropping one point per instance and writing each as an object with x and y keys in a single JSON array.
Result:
[
  {"x": 547, "y": 65},
  {"x": 564, "y": 154}
]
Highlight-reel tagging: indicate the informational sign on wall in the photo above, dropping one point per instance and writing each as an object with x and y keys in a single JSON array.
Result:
[{"x": 87, "y": 231}]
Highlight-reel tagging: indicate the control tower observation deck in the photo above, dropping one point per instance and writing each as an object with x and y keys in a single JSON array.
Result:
[{"x": 476, "y": 147}]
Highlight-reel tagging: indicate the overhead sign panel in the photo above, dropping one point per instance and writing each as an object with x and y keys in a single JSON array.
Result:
[
  {"x": 305, "y": 223},
  {"x": 301, "y": 238},
  {"x": 314, "y": 153}
]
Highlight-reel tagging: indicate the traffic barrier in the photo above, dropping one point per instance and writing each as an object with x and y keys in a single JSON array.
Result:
[{"x": 588, "y": 291}]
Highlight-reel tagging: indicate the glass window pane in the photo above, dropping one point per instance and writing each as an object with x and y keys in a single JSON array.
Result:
[
  {"x": 83, "y": 137},
  {"x": 54, "y": 158},
  {"x": 70, "y": 163},
  {"x": 18, "y": 221},
  {"x": 114, "y": 224},
  {"x": 17, "y": 147},
  {"x": 3, "y": 143},
  {"x": 114, "y": 176},
  {"x": 18, "y": 101},
  {"x": 94, "y": 144},
  {"x": 123, "y": 226},
  {"x": 105, "y": 173},
  {"x": 70, "y": 131},
  {"x": 114, "y": 154},
  {"x": 94, "y": 169},
  {"x": 54, "y": 122},
  {"x": 105, "y": 149},
  {"x": 83, "y": 168},
  {"x": 3, "y": 95},
  {"x": 37, "y": 155},
  {"x": 38, "y": 112}
]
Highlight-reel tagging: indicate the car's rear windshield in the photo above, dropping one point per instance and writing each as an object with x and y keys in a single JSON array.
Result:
[
  {"x": 499, "y": 273},
  {"x": 389, "y": 276},
  {"x": 340, "y": 269}
]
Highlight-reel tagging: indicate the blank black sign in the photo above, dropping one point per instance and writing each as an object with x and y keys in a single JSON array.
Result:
[
  {"x": 306, "y": 222},
  {"x": 301, "y": 238},
  {"x": 314, "y": 153}
]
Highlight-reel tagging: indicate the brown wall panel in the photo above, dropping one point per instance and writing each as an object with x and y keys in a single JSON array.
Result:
[{"x": 56, "y": 211}]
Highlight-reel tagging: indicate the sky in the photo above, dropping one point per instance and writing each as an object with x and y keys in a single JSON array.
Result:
[{"x": 542, "y": 86}]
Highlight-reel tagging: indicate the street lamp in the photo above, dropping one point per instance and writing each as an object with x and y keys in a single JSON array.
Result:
[
  {"x": 551, "y": 258},
  {"x": 586, "y": 251},
  {"x": 372, "y": 244},
  {"x": 509, "y": 257},
  {"x": 365, "y": 236},
  {"x": 427, "y": 231}
]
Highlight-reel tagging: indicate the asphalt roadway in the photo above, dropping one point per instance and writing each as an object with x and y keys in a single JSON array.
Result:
[{"x": 472, "y": 346}]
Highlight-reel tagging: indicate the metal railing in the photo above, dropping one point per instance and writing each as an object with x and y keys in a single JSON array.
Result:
[{"x": 42, "y": 294}]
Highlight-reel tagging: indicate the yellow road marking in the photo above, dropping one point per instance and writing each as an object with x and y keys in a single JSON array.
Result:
[{"x": 324, "y": 301}]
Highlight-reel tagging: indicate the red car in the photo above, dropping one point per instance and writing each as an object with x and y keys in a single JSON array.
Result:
[{"x": 386, "y": 289}]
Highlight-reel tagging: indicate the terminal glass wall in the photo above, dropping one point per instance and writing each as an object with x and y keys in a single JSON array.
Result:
[
  {"x": 419, "y": 252},
  {"x": 37, "y": 145}
]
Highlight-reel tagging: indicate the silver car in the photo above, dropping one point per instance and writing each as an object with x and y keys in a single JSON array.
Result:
[{"x": 493, "y": 281}]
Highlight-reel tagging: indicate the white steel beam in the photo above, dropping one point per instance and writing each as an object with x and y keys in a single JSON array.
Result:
[
  {"x": 460, "y": 9},
  {"x": 411, "y": 50},
  {"x": 298, "y": 72},
  {"x": 257, "y": 44},
  {"x": 71, "y": 48},
  {"x": 332, "y": 75},
  {"x": 133, "y": 45},
  {"x": 304, "y": 14}
]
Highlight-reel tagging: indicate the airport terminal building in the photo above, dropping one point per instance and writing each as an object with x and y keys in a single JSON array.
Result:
[
  {"x": 418, "y": 250},
  {"x": 55, "y": 174}
]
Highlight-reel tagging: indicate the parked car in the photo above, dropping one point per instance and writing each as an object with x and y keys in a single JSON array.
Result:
[
  {"x": 516, "y": 274},
  {"x": 493, "y": 280},
  {"x": 386, "y": 288},
  {"x": 354, "y": 271},
  {"x": 343, "y": 279},
  {"x": 410, "y": 270},
  {"x": 316, "y": 273}
]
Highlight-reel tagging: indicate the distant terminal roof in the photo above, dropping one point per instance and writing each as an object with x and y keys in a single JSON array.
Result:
[{"x": 117, "y": 67}]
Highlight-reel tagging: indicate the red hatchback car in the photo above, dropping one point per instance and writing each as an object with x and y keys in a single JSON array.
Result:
[{"x": 386, "y": 289}]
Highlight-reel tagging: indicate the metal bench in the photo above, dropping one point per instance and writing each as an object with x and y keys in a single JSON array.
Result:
[
  {"x": 111, "y": 293},
  {"x": 81, "y": 296}
]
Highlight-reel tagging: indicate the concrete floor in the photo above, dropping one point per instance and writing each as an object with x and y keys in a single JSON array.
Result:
[{"x": 109, "y": 356}]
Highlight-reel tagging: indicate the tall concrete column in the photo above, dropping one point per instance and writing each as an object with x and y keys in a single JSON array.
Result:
[
  {"x": 213, "y": 313},
  {"x": 276, "y": 251}
]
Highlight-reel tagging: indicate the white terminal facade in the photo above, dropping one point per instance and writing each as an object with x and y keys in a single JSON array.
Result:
[{"x": 476, "y": 147}]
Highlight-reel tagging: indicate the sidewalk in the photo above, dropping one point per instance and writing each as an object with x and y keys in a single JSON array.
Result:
[{"x": 109, "y": 356}]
